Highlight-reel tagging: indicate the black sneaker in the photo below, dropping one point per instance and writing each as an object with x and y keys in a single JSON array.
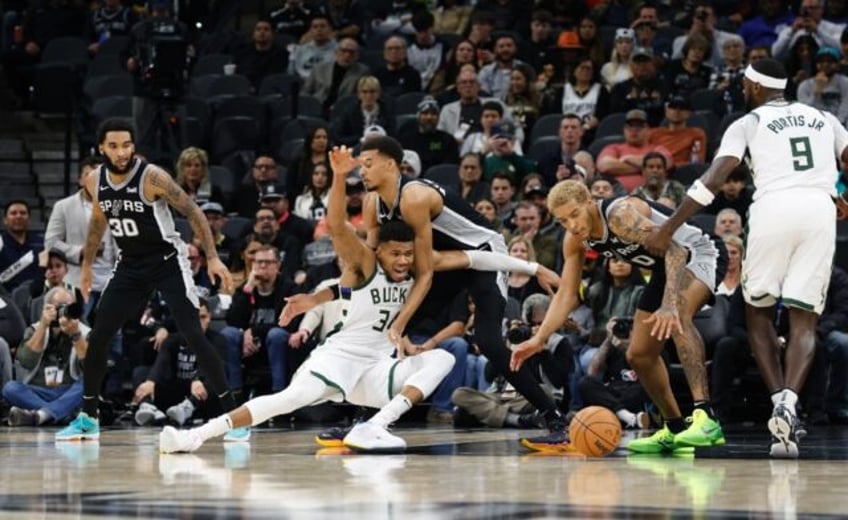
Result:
[
  {"x": 782, "y": 426},
  {"x": 332, "y": 437},
  {"x": 531, "y": 420},
  {"x": 555, "y": 441}
]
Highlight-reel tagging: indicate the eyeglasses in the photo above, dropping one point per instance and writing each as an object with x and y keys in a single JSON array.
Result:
[{"x": 264, "y": 166}]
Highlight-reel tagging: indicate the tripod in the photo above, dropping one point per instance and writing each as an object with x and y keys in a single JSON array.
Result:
[{"x": 163, "y": 137}]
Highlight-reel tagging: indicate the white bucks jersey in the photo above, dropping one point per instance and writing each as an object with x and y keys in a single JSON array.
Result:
[
  {"x": 792, "y": 146},
  {"x": 366, "y": 317}
]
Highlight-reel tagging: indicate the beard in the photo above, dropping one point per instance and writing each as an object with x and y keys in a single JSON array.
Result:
[{"x": 112, "y": 167}]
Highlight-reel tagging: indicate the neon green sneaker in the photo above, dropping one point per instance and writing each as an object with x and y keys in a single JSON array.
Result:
[
  {"x": 662, "y": 441},
  {"x": 702, "y": 431}
]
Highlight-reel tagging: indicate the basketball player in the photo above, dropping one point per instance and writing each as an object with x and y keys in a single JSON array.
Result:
[
  {"x": 792, "y": 229},
  {"x": 444, "y": 221},
  {"x": 134, "y": 199},
  {"x": 682, "y": 281}
]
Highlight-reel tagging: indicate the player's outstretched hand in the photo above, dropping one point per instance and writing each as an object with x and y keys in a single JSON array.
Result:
[
  {"x": 295, "y": 306},
  {"x": 342, "y": 160},
  {"x": 548, "y": 279},
  {"x": 525, "y": 351},
  {"x": 218, "y": 271},
  {"x": 665, "y": 323},
  {"x": 657, "y": 242}
]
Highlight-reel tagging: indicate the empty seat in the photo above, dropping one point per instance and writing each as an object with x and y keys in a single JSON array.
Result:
[
  {"x": 689, "y": 173},
  {"x": 232, "y": 134},
  {"x": 446, "y": 175},
  {"x": 545, "y": 126},
  {"x": 211, "y": 64},
  {"x": 407, "y": 103}
]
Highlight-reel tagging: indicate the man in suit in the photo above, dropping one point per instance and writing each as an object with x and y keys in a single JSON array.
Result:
[
  {"x": 330, "y": 81},
  {"x": 67, "y": 230}
]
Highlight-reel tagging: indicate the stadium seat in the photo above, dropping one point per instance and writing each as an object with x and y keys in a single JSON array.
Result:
[
  {"x": 446, "y": 175},
  {"x": 544, "y": 146},
  {"x": 546, "y": 125},
  {"x": 211, "y": 64},
  {"x": 689, "y": 173},
  {"x": 234, "y": 133},
  {"x": 279, "y": 84},
  {"x": 612, "y": 124},
  {"x": 225, "y": 180},
  {"x": 407, "y": 103},
  {"x": 599, "y": 143}
]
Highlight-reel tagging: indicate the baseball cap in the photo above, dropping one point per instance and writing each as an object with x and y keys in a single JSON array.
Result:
[
  {"x": 353, "y": 180},
  {"x": 636, "y": 115},
  {"x": 678, "y": 101},
  {"x": 411, "y": 158},
  {"x": 55, "y": 253},
  {"x": 212, "y": 207},
  {"x": 642, "y": 53},
  {"x": 535, "y": 189},
  {"x": 504, "y": 129},
  {"x": 428, "y": 104},
  {"x": 624, "y": 33},
  {"x": 272, "y": 191},
  {"x": 373, "y": 131},
  {"x": 569, "y": 40},
  {"x": 829, "y": 52}
]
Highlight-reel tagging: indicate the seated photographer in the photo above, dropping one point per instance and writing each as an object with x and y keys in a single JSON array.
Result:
[
  {"x": 52, "y": 353},
  {"x": 611, "y": 383}
]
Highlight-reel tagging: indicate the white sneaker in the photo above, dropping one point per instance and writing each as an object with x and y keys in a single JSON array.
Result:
[
  {"x": 368, "y": 436},
  {"x": 172, "y": 440},
  {"x": 147, "y": 413},
  {"x": 180, "y": 413}
]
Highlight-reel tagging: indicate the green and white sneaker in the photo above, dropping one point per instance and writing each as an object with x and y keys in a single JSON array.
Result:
[
  {"x": 702, "y": 431},
  {"x": 662, "y": 441},
  {"x": 83, "y": 428}
]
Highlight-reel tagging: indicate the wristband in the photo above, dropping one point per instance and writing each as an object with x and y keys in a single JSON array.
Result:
[
  {"x": 700, "y": 193},
  {"x": 339, "y": 292}
]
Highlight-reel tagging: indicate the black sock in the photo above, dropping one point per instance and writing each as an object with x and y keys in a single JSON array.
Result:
[
  {"x": 676, "y": 425},
  {"x": 89, "y": 406},
  {"x": 706, "y": 407}
]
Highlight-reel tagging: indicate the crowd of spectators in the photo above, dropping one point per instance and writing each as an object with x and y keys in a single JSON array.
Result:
[{"x": 495, "y": 99}]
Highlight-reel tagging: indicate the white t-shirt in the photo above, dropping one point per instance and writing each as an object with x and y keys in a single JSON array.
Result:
[{"x": 792, "y": 145}]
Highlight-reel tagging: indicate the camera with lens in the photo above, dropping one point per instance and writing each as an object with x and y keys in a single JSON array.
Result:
[
  {"x": 164, "y": 60},
  {"x": 621, "y": 328},
  {"x": 71, "y": 311},
  {"x": 518, "y": 332}
]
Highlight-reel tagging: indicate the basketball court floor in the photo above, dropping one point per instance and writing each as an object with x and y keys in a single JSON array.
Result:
[{"x": 446, "y": 473}]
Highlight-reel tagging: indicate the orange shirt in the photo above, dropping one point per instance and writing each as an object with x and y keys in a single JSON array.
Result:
[
  {"x": 632, "y": 179},
  {"x": 680, "y": 142}
]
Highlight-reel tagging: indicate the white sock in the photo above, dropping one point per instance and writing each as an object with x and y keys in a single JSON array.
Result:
[
  {"x": 390, "y": 413},
  {"x": 215, "y": 427},
  {"x": 626, "y": 416},
  {"x": 786, "y": 397}
]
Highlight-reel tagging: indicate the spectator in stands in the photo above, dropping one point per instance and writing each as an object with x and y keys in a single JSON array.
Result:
[
  {"x": 411, "y": 164},
  {"x": 193, "y": 176},
  {"x": 801, "y": 63},
  {"x": 349, "y": 126},
  {"x": 67, "y": 230},
  {"x": 494, "y": 77},
  {"x": 520, "y": 286},
  {"x": 536, "y": 193},
  {"x": 52, "y": 270},
  {"x": 252, "y": 322},
  {"x": 569, "y": 159},
  {"x": 584, "y": 96},
  {"x": 243, "y": 264},
  {"x": 174, "y": 382},
  {"x": 432, "y": 145},
  {"x": 590, "y": 41},
  {"x": 763, "y": 30},
  {"x": 687, "y": 144},
  {"x": 292, "y": 19},
  {"x": 463, "y": 54},
  {"x": 478, "y": 139},
  {"x": 204, "y": 285},
  {"x": 539, "y": 51},
  {"x": 601, "y": 187},
  {"x": 756, "y": 54},
  {"x": 451, "y": 16},
  {"x": 835, "y": 11},
  {"x": 267, "y": 230},
  {"x": 459, "y": 117},
  {"x": 703, "y": 24},
  {"x": 264, "y": 172},
  {"x": 319, "y": 49},
  {"x": 527, "y": 221},
  {"x": 397, "y": 76},
  {"x": 503, "y": 154},
  {"x": 646, "y": 27},
  {"x": 506, "y": 14},
  {"x": 312, "y": 203},
  {"x": 523, "y": 99},
  {"x": 827, "y": 90},
  {"x": 262, "y": 57},
  {"x": 832, "y": 330},
  {"x": 275, "y": 198},
  {"x": 426, "y": 52},
  {"x": 624, "y": 160},
  {"x": 728, "y": 223},
  {"x": 656, "y": 184},
  {"x": 316, "y": 149},
  {"x": 486, "y": 208},
  {"x": 471, "y": 177},
  {"x": 727, "y": 78},
  {"x": 354, "y": 195},
  {"x": 503, "y": 191},
  {"x": 617, "y": 69},
  {"x": 225, "y": 246},
  {"x": 328, "y": 82},
  {"x": 19, "y": 247},
  {"x": 51, "y": 354},
  {"x": 108, "y": 20},
  {"x": 809, "y": 22},
  {"x": 644, "y": 91},
  {"x": 733, "y": 194},
  {"x": 480, "y": 35},
  {"x": 735, "y": 253},
  {"x": 345, "y": 16},
  {"x": 689, "y": 73}
]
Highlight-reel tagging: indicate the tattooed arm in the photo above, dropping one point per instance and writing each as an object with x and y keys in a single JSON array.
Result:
[
  {"x": 160, "y": 184},
  {"x": 629, "y": 221},
  {"x": 96, "y": 228}
]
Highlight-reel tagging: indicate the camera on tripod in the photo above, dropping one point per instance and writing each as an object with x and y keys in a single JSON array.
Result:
[{"x": 164, "y": 62}]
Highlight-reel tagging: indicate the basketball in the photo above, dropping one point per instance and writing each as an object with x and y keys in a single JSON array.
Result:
[{"x": 595, "y": 431}]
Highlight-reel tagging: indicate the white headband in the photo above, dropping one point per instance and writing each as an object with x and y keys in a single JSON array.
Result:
[{"x": 762, "y": 79}]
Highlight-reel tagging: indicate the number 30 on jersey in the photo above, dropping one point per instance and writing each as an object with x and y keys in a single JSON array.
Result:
[{"x": 123, "y": 227}]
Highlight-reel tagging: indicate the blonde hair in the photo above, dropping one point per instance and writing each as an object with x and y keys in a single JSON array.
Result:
[
  {"x": 567, "y": 191},
  {"x": 733, "y": 240},
  {"x": 531, "y": 251},
  {"x": 368, "y": 82},
  {"x": 192, "y": 153}
]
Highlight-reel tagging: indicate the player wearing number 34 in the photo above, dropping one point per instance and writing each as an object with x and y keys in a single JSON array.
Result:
[{"x": 134, "y": 200}]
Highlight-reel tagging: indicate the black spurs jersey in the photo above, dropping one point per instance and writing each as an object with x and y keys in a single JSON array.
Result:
[
  {"x": 140, "y": 227},
  {"x": 457, "y": 227},
  {"x": 610, "y": 246}
]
